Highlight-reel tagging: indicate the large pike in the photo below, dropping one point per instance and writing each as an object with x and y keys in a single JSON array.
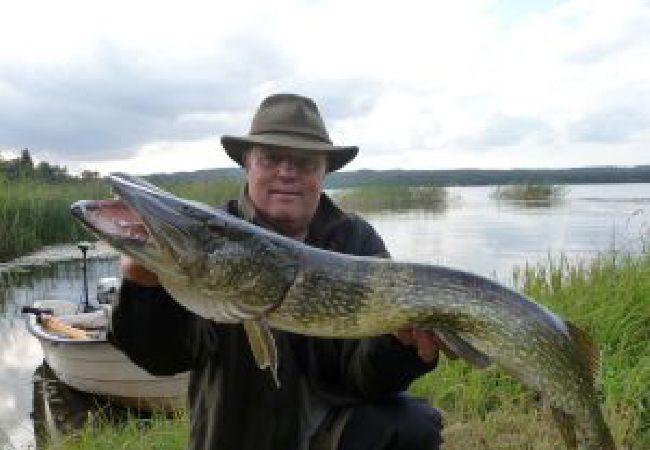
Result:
[{"x": 229, "y": 270}]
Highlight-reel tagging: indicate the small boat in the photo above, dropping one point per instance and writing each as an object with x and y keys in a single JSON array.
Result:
[{"x": 73, "y": 338}]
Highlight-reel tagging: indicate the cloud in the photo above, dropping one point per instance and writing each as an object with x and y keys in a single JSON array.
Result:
[
  {"x": 618, "y": 117},
  {"x": 612, "y": 125},
  {"x": 110, "y": 104},
  {"x": 619, "y": 32},
  {"x": 457, "y": 81},
  {"x": 501, "y": 130}
]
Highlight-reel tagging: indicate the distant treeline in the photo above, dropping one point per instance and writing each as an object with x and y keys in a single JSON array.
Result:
[
  {"x": 457, "y": 177},
  {"x": 23, "y": 167},
  {"x": 477, "y": 177}
]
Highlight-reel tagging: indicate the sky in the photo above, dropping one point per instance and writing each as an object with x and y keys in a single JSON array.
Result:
[{"x": 150, "y": 86}]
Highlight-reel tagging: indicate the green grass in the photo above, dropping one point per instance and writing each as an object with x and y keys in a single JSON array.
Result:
[
  {"x": 159, "y": 432},
  {"x": 609, "y": 297},
  {"x": 390, "y": 197},
  {"x": 529, "y": 192}
]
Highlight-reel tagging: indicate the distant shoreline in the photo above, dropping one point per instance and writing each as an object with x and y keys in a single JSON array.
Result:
[{"x": 450, "y": 177}]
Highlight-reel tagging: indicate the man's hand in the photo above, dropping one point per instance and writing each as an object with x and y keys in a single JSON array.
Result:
[
  {"x": 133, "y": 271},
  {"x": 427, "y": 343}
]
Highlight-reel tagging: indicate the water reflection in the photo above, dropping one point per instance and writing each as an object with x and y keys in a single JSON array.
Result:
[
  {"x": 60, "y": 281},
  {"x": 489, "y": 237},
  {"x": 20, "y": 352},
  {"x": 530, "y": 204},
  {"x": 397, "y": 205}
]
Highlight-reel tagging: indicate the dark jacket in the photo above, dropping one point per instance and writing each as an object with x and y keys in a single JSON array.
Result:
[{"x": 235, "y": 405}]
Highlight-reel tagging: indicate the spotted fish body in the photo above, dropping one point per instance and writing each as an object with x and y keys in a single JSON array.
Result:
[{"x": 229, "y": 270}]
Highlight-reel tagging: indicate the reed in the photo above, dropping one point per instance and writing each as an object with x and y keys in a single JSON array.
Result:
[
  {"x": 35, "y": 213},
  {"x": 608, "y": 296},
  {"x": 529, "y": 192},
  {"x": 212, "y": 192},
  {"x": 390, "y": 197}
]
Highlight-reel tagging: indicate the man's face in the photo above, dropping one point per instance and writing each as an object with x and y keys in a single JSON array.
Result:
[{"x": 284, "y": 186}]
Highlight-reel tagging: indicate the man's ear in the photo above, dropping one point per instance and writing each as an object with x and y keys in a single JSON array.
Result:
[
  {"x": 245, "y": 159},
  {"x": 326, "y": 171}
]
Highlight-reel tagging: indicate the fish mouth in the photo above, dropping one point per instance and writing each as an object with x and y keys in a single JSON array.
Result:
[
  {"x": 112, "y": 220},
  {"x": 143, "y": 221}
]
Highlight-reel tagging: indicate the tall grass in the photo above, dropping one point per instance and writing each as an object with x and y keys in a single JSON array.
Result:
[
  {"x": 609, "y": 297},
  {"x": 390, "y": 197},
  {"x": 34, "y": 213}
]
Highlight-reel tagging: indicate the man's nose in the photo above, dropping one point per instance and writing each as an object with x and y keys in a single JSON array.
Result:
[{"x": 287, "y": 168}]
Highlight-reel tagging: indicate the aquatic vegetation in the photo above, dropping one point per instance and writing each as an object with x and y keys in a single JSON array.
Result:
[
  {"x": 390, "y": 197},
  {"x": 529, "y": 192}
]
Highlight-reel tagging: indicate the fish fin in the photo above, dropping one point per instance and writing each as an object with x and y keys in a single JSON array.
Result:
[
  {"x": 458, "y": 347},
  {"x": 567, "y": 425},
  {"x": 263, "y": 346},
  {"x": 587, "y": 348}
]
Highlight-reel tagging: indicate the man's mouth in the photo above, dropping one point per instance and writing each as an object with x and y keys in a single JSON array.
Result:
[{"x": 285, "y": 192}]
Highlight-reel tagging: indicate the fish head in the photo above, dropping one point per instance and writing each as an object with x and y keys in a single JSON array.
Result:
[
  {"x": 144, "y": 222},
  {"x": 201, "y": 254}
]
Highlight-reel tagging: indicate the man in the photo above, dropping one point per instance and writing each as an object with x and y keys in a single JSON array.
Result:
[{"x": 335, "y": 394}]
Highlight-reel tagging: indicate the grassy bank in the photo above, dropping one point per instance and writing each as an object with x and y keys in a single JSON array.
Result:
[
  {"x": 156, "y": 433},
  {"x": 529, "y": 192},
  {"x": 608, "y": 297},
  {"x": 390, "y": 197}
]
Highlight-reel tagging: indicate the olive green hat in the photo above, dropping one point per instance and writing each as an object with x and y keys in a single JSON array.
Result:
[{"x": 289, "y": 121}]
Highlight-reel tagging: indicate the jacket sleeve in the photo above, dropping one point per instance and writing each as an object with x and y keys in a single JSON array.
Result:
[
  {"x": 364, "y": 368},
  {"x": 157, "y": 333},
  {"x": 346, "y": 370}
]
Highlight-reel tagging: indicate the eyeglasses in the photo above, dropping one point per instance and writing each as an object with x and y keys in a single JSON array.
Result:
[{"x": 305, "y": 164}]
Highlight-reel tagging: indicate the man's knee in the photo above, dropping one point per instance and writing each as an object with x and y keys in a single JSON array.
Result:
[{"x": 398, "y": 423}]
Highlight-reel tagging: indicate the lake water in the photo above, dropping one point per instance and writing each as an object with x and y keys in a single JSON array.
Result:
[
  {"x": 473, "y": 232},
  {"x": 489, "y": 237}
]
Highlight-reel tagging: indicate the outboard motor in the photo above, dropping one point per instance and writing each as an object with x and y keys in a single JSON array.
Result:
[{"x": 107, "y": 289}]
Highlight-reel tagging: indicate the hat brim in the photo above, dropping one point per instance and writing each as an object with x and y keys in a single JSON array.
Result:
[{"x": 338, "y": 156}]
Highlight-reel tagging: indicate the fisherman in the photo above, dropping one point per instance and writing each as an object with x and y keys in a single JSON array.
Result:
[{"x": 335, "y": 394}]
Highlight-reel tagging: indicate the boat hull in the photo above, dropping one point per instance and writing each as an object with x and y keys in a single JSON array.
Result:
[{"x": 97, "y": 367}]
